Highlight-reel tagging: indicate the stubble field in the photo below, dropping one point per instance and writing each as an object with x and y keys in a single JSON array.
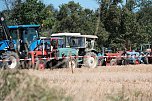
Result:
[{"x": 111, "y": 83}]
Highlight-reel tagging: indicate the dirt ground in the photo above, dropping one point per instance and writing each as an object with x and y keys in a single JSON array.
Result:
[{"x": 111, "y": 83}]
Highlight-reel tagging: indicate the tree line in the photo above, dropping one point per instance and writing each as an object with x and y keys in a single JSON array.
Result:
[{"x": 117, "y": 24}]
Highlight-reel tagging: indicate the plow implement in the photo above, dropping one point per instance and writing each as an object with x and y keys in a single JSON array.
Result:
[{"x": 49, "y": 63}]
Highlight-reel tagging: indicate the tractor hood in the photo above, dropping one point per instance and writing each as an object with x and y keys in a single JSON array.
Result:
[
  {"x": 67, "y": 52},
  {"x": 4, "y": 44}
]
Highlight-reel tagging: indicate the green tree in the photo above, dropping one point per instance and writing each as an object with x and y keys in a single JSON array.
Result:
[
  {"x": 49, "y": 21},
  {"x": 73, "y": 18},
  {"x": 48, "y": 13},
  {"x": 144, "y": 17},
  {"x": 67, "y": 17},
  {"x": 28, "y": 12}
]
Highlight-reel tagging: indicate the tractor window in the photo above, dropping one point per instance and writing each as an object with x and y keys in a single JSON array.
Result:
[
  {"x": 30, "y": 35},
  {"x": 54, "y": 43},
  {"x": 61, "y": 43},
  {"x": 90, "y": 43},
  {"x": 76, "y": 41},
  {"x": 2, "y": 35},
  {"x": 13, "y": 34},
  {"x": 68, "y": 41},
  {"x": 81, "y": 42}
]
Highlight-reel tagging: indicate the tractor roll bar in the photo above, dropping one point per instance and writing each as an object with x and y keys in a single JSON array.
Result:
[{"x": 4, "y": 26}]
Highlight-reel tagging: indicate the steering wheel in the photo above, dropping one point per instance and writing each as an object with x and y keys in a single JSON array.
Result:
[{"x": 46, "y": 46}]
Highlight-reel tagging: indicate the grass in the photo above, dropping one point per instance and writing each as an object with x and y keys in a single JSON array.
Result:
[{"x": 16, "y": 85}]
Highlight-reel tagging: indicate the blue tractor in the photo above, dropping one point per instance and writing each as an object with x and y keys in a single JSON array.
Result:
[
  {"x": 25, "y": 37},
  {"x": 16, "y": 42}
]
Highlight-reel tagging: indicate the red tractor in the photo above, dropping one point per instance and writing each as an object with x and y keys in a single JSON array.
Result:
[
  {"x": 52, "y": 53},
  {"x": 117, "y": 58}
]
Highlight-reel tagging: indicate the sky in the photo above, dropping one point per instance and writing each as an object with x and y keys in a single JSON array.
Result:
[
  {"x": 1, "y": 5},
  {"x": 91, "y": 4}
]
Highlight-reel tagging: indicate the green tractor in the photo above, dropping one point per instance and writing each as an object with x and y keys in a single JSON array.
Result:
[{"x": 85, "y": 44}]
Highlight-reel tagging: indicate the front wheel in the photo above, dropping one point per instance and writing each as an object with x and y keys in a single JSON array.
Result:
[
  {"x": 11, "y": 60},
  {"x": 90, "y": 60}
]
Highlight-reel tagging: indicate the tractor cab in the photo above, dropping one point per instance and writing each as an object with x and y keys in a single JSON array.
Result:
[
  {"x": 49, "y": 44},
  {"x": 26, "y": 34},
  {"x": 90, "y": 42},
  {"x": 26, "y": 37},
  {"x": 54, "y": 45},
  {"x": 77, "y": 41},
  {"x": 70, "y": 39}
]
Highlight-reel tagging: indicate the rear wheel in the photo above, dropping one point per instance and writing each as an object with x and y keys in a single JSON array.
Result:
[
  {"x": 11, "y": 60},
  {"x": 90, "y": 60}
]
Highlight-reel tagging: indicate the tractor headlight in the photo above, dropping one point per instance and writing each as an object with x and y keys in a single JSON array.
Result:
[{"x": 11, "y": 45}]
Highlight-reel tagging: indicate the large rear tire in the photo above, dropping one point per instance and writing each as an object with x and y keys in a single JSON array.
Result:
[
  {"x": 90, "y": 60},
  {"x": 11, "y": 60}
]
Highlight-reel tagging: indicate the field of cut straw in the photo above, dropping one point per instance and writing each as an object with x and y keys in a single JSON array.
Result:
[{"x": 115, "y": 83}]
